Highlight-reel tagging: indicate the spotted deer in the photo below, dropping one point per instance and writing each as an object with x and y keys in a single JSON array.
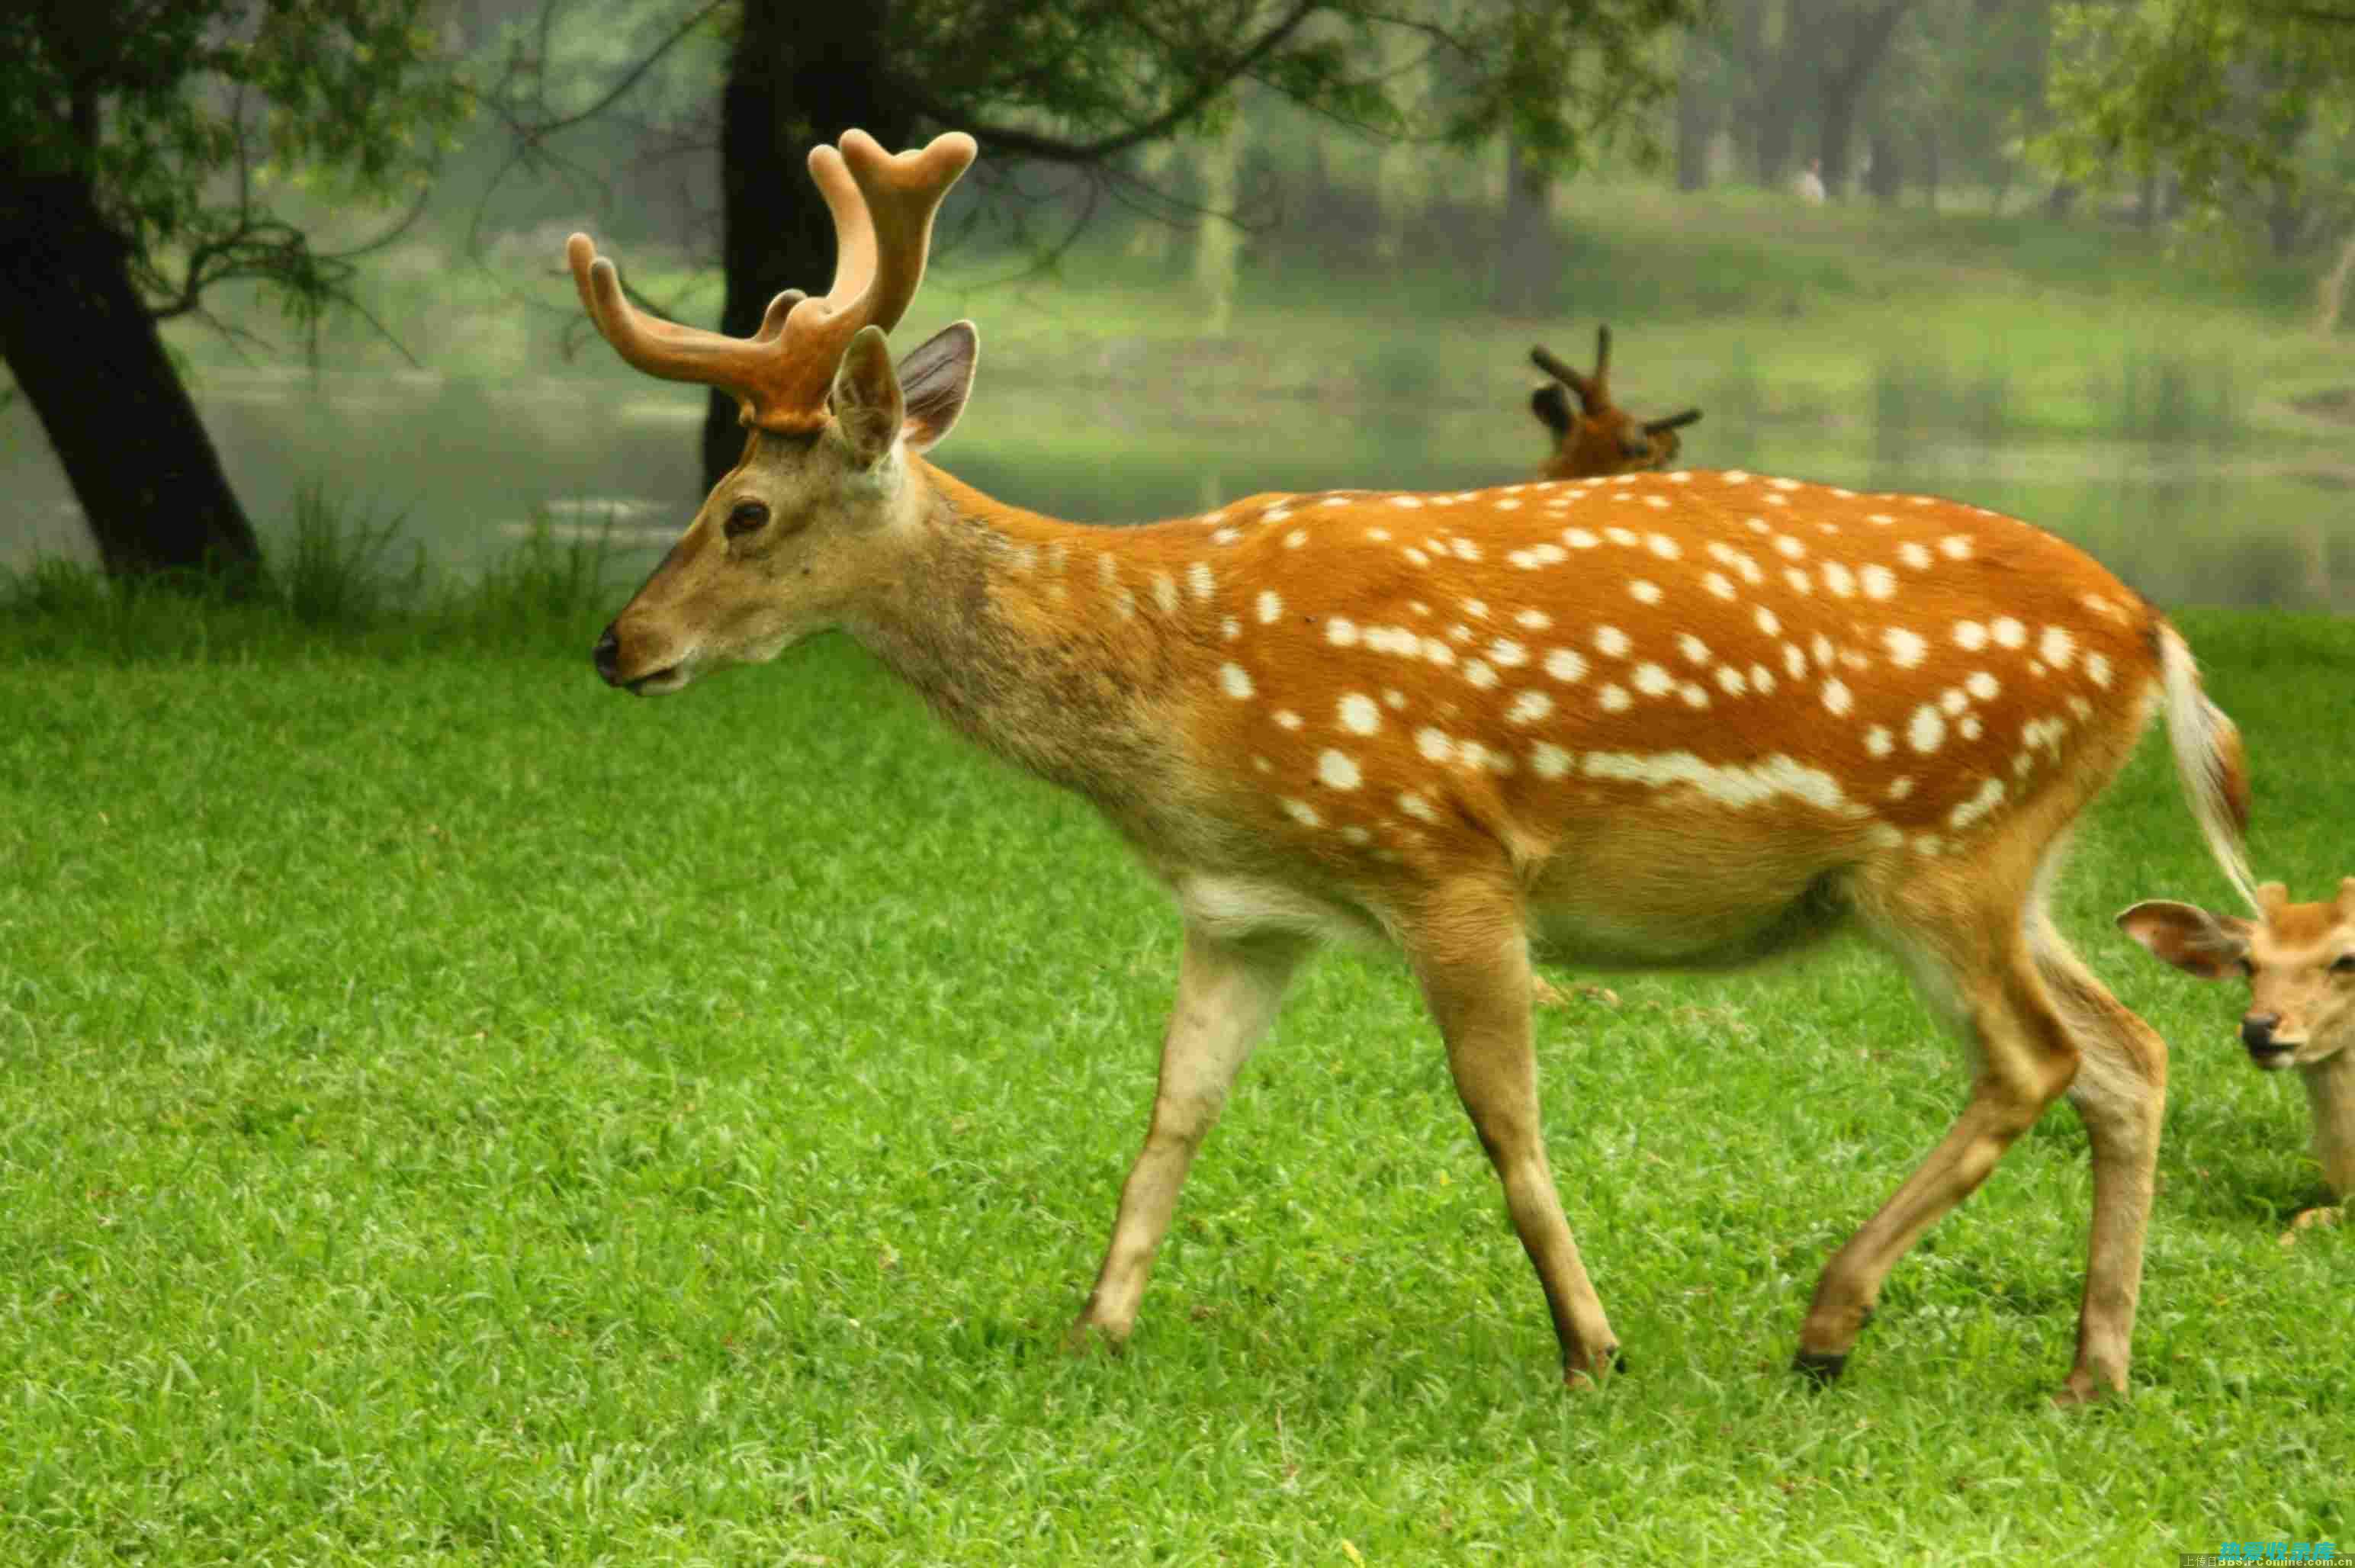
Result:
[
  {"x": 1674, "y": 719},
  {"x": 2298, "y": 960},
  {"x": 1600, "y": 439}
]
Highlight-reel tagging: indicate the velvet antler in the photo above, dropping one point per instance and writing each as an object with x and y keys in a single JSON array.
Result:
[{"x": 882, "y": 207}]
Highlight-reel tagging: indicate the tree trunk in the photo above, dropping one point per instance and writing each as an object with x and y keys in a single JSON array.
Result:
[
  {"x": 1696, "y": 121},
  {"x": 1886, "y": 178},
  {"x": 1842, "y": 86},
  {"x": 799, "y": 75},
  {"x": 81, "y": 346},
  {"x": 1930, "y": 170},
  {"x": 1525, "y": 245}
]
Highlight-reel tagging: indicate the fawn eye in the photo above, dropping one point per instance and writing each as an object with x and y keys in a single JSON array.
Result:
[
  {"x": 747, "y": 517},
  {"x": 2343, "y": 965}
]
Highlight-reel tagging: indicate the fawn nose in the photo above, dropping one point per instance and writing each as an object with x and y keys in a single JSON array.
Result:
[
  {"x": 2257, "y": 1030},
  {"x": 607, "y": 655}
]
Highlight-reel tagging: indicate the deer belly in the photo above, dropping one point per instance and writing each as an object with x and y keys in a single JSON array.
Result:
[{"x": 1641, "y": 892}]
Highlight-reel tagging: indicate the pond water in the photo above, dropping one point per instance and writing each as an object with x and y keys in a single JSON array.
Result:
[{"x": 467, "y": 468}]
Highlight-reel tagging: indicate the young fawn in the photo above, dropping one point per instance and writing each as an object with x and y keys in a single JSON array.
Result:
[
  {"x": 2299, "y": 963},
  {"x": 1599, "y": 438},
  {"x": 1681, "y": 720}
]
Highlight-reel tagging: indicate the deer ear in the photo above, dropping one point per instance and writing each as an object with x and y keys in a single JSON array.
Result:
[
  {"x": 2187, "y": 937},
  {"x": 866, "y": 399},
  {"x": 936, "y": 377},
  {"x": 1552, "y": 406}
]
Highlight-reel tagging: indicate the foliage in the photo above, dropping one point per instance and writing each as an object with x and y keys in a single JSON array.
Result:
[
  {"x": 2248, "y": 102},
  {"x": 190, "y": 119}
]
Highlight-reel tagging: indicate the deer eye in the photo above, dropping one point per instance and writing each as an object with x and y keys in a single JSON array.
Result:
[
  {"x": 2343, "y": 965},
  {"x": 747, "y": 517}
]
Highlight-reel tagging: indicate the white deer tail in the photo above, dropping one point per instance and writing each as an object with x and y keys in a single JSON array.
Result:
[{"x": 2209, "y": 761}]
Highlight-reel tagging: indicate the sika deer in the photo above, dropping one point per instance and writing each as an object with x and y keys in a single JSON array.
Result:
[
  {"x": 1600, "y": 438},
  {"x": 1673, "y": 720},
  {"x": 2299, "y": 963}
]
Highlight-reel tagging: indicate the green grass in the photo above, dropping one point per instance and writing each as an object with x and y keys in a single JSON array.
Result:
[{"x": 452, "y": 1113}]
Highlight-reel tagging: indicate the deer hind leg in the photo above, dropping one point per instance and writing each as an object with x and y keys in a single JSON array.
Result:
[
  {"x": 1228, "y": 991},
  {"x": 1472, "y": 959},
  {"x": 2120, "y": 1094},
  {"x": 2025, "y": 1061}
]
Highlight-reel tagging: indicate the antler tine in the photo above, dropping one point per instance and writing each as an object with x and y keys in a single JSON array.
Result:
[
  {"x": 1545, "y": 360},
  {"x": 659, "y": 348},
  {"x": 1674, "y": 421}
]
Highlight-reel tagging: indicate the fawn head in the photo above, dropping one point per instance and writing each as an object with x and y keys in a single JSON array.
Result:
[
  {"x": 1599, "y": 438},
  {"x": 801, "y": 528},
  {"x": 2298, "y": 960}
]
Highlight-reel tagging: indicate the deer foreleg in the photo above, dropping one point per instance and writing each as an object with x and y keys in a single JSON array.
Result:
[{"x": 1228, "y": 992}]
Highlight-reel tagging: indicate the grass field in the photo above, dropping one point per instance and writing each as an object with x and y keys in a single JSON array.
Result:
[{"x": 453, "y": 1114}]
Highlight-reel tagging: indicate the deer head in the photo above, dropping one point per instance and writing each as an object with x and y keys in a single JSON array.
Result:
[
  {"x": 2298, "y": 960},
  {"x": 803, "y": 527},
  {"x": 1600, "y": 439}
]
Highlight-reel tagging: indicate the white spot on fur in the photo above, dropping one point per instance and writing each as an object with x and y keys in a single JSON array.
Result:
[
  {"x": 1300, "y": 811},
  {"x": 1548, "y": 760},
  {"x": 1357, "y": 835},
  {"x": 1661, "y": 545},
  {"x": 1838, "y": 697},
  {"x": 1840, "y": 580},
  {"x": 1982, "y": 685},
  {"x": 1359, "y": 715},
  {"x": 1794, "y": 661},
  {"x": 1434, "y": 744},
  {"x": 1878, "y": 741},
  {"x": 1989, "y": 794},
  {"x": 1338, "y": 769},
  {"x": 1953, "y": 700},
  {"x": 1799, "y": 580},
  {"x": 1905, "y": 649},
  {"x": 1778, "y": 777},
  {"x": 1614, "y": 698},
  {"x": 1408, "y": 502},
  {"x": 1899, "y": 788},
  {"x": 1969, "y": 729},
  {"x": 1438, "y": 653},
  {"x": 1198, "y": 579},
  {"x": 1692, "y": 647},
  {"x": 1529, "y": 707},
  {"x": 1717, "y": 583},
  {"x": 1415, "y": 806},
  {"x": 1955, "y": 547},
  {"x": 1286, "y": 717},
  {"x": 2056, "y": 647},
  {"x": 1970, "y": 634},
  {"x": 2097, "y": 670},
  {"x": 1646, "y": 593},
  {"x": 1229, "y": 628},
  {"x": 1768, "y": 622},
  {"x": 1878, "y": 582},
  {"x": 1915, "y": 556},
  {"x": 1621, "y": 535},
  {"x": 1395, "y": 697},
  {"x": 1534, "y": 620},
  {"x": 1480, "y": 675},
  {"x": 1762, "y": 678},
  {"x": 1165, "y": 592},
  {"x": 1564, "y": 664},
  {"x": 1579, "y": 538},
  {"x": 1339, "y": 631},
  {"x": 1296, "y": 538},
  {"x": 1653, "y": 681},
  {"x": 1378, "y": 536},
  {"x": 1612, "y": 641},
  {"x": 1730, "y": 679},
  {"x": 1789, "y": 549},
  {"x": 1927, "y": 731},
  {"x": 2009, "y": 633},
  {"x": 1270, "y": 605}
]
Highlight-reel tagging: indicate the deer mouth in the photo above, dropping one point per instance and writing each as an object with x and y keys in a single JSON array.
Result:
[
  {"x": 2274, "y": 1057},
  {"x": 657, "y": 682}
]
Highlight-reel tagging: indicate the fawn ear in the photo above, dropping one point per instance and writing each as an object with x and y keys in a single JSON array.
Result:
[
  {"x": 866, "y": 399},
  {"x": 2188, "y": 937},
  {"x": 936, "y": 377}
]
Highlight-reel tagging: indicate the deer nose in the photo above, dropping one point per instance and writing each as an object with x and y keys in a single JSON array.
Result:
[
  {"x": 607, "y": 655},
  {"x": 2257, "y": 1030}
]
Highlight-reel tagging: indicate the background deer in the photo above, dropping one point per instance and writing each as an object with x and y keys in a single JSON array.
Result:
[
  {"x": 2299, "y": 963},
  {"x": 1600, "y": 438},
  {"x": 1674, "y": 719}
]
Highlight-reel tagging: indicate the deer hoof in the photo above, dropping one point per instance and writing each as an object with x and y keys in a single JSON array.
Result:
[{"x": 1821, "y": 1369}]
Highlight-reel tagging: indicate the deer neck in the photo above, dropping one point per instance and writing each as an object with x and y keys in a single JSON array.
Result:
[
  {"x": 1037, "y": 638},
  {"x": 2331, "y": 1088}
]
